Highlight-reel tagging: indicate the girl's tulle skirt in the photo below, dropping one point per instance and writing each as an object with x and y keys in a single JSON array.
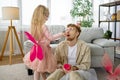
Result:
[{"x": 48, "y": 64}]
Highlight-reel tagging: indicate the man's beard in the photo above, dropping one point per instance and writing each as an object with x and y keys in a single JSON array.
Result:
[{"x": 71, "y": 39}]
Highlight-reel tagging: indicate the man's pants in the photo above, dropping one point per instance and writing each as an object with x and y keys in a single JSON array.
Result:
[
  {"x": 58, "y": 74},
  {"x": 86, "y": 74}
]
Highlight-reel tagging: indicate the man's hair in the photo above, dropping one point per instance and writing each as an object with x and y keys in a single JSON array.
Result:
[{"x": 75, "y": 26}]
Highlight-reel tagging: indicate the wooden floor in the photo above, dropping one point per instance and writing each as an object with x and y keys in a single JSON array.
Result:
[
  {"x": 15, "y": 59},
  {"x": 19, "y": 59},
  {"x": 101, "y": 73}
]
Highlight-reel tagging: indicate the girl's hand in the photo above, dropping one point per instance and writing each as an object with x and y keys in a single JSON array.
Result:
[
  {"x": 66, "y": 71},
  {"x": 64, "y": 34}
]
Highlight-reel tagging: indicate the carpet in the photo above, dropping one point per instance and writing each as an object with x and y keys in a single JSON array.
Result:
[
  {"x": 18, "y": 71},
  {"x": 14, "y": 72}
]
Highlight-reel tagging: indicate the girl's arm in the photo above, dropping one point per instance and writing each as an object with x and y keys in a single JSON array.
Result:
[{"x": 49, "y": 36}]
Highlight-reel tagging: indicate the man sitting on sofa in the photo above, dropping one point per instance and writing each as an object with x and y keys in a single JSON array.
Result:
[{"x": 76, "y": 53}]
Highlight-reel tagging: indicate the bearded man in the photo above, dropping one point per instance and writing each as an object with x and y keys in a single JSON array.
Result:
[{"x": 76, "y": 53}]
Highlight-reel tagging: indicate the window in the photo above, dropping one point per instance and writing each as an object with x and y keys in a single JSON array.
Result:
[
  {"x": 4, "y": 3},
  {"x": 60, "y": 12},
  {"x": 28, "y": 7},
  {"x": 96, "y": 4}
]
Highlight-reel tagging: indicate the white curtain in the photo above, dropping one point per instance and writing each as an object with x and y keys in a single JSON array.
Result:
[
  {"x": 59, "y": 15},
  {"x": 5, "y": 23}
]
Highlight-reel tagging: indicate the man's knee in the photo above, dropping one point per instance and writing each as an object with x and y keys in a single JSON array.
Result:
[
  {"x": 75, "y": 76},
  {"x": 50, "y": 79},
  {"x": 72, "y": 73},
  {"x": 56, "y": 75}
]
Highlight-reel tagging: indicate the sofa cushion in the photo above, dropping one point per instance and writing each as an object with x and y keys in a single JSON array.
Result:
[
  {"x": 96, "y": 50},
  {"x": 53, "y": 46},
  {"x": 55, "y": 42},
  {"x": 27, "y": 46},
  {"x": 89, "y": 34},
  {"x": 54, "y": 29},
  {"x": 105, "y": 42}
]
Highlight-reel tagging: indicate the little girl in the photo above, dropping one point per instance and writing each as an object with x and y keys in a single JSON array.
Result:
[{"x": 41, "y": 34}]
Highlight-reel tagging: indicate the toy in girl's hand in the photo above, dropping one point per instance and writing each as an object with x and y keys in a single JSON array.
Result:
[
  {"x": 36, "y": 50},
  {"x": 67, "y": 67},
  {"x": 107, "y": 63}
]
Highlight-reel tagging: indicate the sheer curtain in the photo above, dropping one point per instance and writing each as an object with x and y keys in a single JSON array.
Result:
[
  {"x": 27, "y": 8},
  {"x": 5, "y": 23},
  {"x": 3, "y": 3},
  {"x": 96, "y": 4},
  {"x": 60, "y": 12},
  {"x": 59, "y": 15}
]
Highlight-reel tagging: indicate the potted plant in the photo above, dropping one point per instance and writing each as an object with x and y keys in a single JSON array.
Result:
[
  {"x": 108, "y": 34},
  {"x": 83, "y": 9}
]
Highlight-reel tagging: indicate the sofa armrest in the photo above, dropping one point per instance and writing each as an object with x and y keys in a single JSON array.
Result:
[
  {"x": 27, "y": 46},
  {"x": 105, "y": 42}
]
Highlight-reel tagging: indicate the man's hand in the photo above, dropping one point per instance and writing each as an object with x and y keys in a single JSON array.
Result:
[
  {"x": 73, "y": 68},
  {"x": 59, "y": 67},
  {"x": 66, "y": 71}
]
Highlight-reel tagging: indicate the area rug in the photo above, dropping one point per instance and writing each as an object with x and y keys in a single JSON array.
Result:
[
  {"x": 14, "y": 72},
  {"x": 19, "y": 72}
]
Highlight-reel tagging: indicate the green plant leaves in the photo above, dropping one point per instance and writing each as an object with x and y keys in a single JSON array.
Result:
[
  {"x": 87, "y": 23},
  {"x": 108, "y": 34},
  {"x": 83, "y": 8}
]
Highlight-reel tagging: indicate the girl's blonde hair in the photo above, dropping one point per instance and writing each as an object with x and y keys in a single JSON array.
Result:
[{"x": 38, "y": 19}]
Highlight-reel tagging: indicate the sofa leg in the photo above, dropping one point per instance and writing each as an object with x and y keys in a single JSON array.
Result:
[{"x": 30, "y": 71}]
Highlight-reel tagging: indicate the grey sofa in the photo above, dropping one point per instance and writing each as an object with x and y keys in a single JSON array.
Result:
[{"x": 92, "y": 36}]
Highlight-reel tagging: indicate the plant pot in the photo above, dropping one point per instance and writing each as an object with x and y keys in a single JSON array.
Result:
[{"x": 108, "y": 34}]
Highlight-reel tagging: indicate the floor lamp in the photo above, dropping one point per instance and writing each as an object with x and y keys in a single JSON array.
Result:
[{"x": 10, "y": 13}]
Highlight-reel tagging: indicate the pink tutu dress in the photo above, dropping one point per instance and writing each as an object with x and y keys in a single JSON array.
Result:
[{"x": 48, "y": 63}]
